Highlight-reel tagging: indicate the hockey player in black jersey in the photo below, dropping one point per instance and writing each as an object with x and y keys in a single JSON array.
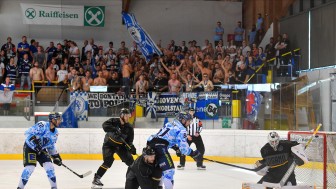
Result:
[
  {"x": 278, "y": 155},
  {"x": 118, "y": 131},
  {"x": 144, "y": 172}
]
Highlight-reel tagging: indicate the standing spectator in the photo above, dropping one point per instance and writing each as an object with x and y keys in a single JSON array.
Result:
[
  {"x": 61, "y": 73},
  {"x": 123, "y": 49},
  {"x": 252, "y": 35},
  {"x": 172, "y": 134},
  {"x": 118, "y": 131},
  {"x": 24, "y": 70},
  {"x": 9, "y": 48},
  {"x": 59, "y": 54},
  {"x": 160, "y": 83},
  {"x": 50, "y": 50},
  {"x": 114, "y": 83},
  {"x": 50, "y": 74},
  {"x": 36, "y": 73},
  {"x": 183, "y": 47},
  {"x": 33, "y": 50},
  {"x": 174, "y": 84},
  {"x": 23, "y": 48},
  {"x": 11, "y": 70},
  {"x": 260, "y": 22},
  {"x": 2, "y": 71},
  {"x": 83, "y": 57},
  {"x": 270, "y": 49},
  {"x": 5, "y": 87},
  {"x": 194, "y": 136},
  {"x": 219, "y": 32},
  {"x": 110, "y": 47},
  {"x": 3, "y": 57},
  {"x": 40, "y": 147},
  {"x": 87, "y": 81},
  {"x": 40, "y": 58},
  {"x": 126, "y": 75},
  {"x": 141, "y": 86},
  {"x": 73, "y": 52},
  {"x": 100, "y": 80},
  {"x": 94, "y": 47},
  {"x": 245, "y": 49},
  {"x": 206, "y": 83},
  {"x": 239, "y": 34}
]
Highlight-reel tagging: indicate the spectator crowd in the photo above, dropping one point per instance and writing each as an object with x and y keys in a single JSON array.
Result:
[{"x": 189, "y": 66}]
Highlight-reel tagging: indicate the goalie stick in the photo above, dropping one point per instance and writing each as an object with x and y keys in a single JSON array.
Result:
[
  {"x": 237, "y": 166},
  {"x": 292, "y": 166},
  {"x": 80, "y": 176}
]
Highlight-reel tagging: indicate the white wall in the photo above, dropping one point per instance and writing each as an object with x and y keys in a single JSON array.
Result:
[
  {"x": 166, "y": 20},
  {"x": 232, "y": 143}
]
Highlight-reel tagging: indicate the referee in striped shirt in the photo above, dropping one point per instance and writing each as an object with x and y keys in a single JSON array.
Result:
[{"x": 194, "y": 130}]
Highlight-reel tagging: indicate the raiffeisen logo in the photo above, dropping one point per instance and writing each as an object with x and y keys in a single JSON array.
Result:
[{"x": 56, "y": 14}]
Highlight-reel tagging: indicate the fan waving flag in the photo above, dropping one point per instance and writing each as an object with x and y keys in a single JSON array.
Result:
[
  {"x": 139, "y": 35},
  {"x": 69, "y": 117}
]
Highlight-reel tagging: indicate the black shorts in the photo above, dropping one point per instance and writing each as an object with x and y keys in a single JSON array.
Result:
[{"x": 30, "y": 157}]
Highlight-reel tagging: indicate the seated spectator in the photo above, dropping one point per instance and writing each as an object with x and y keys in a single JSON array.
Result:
[{"x": 243, "y": 74}]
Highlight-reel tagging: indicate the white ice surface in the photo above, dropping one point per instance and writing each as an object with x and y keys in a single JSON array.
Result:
[{"x": 216, "y": 176}]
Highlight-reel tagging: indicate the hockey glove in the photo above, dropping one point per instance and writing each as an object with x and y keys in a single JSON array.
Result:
[
  {"x": 38, "y": 147},
  {"x": 177, "y": 150},
  {"x": 132, "y": 149},
  {"x": 57, "y": 159},
  {"x": 196, "y": 155},
  {"x": 119, "y": 134}
]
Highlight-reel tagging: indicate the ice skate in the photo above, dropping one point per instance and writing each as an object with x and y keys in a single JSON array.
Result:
[{"x": 96, "y": 183}]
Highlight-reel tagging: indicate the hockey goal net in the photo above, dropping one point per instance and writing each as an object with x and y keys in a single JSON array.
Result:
[{"x": 321, "y": 152}]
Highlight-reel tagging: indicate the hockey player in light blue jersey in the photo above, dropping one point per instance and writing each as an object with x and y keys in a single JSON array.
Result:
[
  {"x": 39, "y": 146},
  {"x": 172, "y": 134}
]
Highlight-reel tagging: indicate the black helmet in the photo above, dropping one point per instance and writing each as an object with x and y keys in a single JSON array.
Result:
[
  {"x": 54, "y": 115},
  {"x": 124, "y": 111},
  {"x": 148, "y": 151}
]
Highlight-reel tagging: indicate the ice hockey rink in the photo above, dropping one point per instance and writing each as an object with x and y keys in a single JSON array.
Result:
[{"x": 216, "y": 176}]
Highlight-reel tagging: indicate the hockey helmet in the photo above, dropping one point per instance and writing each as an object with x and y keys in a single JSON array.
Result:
[
  {"x": 273, "y": 139},
  {"x": 183, "y": 115},
  {"x": 148, "y": 151},
  {"x": 124, "y": 111},
  {"x": 54, "y": 115}
]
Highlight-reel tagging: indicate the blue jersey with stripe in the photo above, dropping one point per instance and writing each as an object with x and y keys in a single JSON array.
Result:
[
  {"x": 47, "y": 138},
  {"x": 175, "y": 134}
]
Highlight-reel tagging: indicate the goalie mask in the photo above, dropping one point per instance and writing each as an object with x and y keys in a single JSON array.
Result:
[{"x": 273, "y": 140}]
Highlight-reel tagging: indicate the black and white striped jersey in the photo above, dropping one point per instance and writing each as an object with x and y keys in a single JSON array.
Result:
[{"x": 195, "y": 126}]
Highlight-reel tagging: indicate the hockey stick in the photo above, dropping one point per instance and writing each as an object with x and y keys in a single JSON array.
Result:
[
  {"x": 292, "y": 166},
  {"x": 127, "y": 145},
  {"x": 80, "y": 176},
  {"x": 237, "y": 166}
]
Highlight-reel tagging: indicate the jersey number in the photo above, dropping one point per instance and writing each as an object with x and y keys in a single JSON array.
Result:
[{"x": 163, "y": 131}]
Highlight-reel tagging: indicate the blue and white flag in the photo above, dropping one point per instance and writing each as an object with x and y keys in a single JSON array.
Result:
[
  {"x": 69, "y": 117},
  {"x": 140, "y": 36},
  {"x": 253, "y": 103},
  {"x": 81, "y": 104}
]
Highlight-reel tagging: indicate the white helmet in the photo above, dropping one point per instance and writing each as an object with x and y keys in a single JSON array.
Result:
[{"x": 273, "y": 140}]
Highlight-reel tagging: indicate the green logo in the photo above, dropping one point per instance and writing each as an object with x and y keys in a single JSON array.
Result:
[
  {"x": 30, "y": 13},
  {"x": 94, "y": 16}
]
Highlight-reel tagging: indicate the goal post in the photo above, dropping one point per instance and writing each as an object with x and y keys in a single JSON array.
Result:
[{"x": 321, "y": 169}]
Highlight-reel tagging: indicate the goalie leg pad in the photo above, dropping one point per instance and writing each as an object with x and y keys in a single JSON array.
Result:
[
  {"x": 49, "y": 168},
  {"x": 299, "y": 152}
]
